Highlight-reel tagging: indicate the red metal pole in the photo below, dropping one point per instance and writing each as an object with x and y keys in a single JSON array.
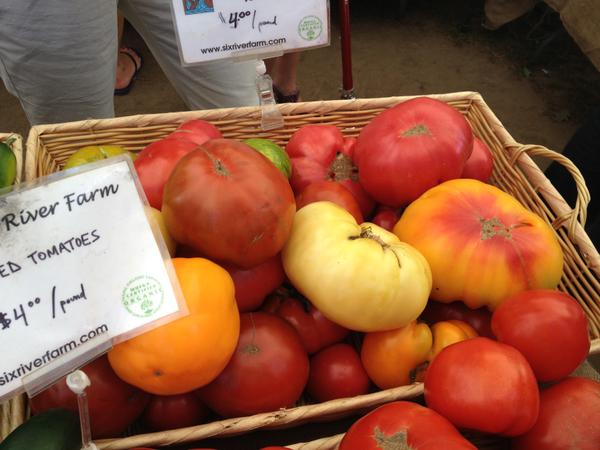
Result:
[{"x": 347, "y": 83}]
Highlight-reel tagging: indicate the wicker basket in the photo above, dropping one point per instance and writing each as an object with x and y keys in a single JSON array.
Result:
[{"x": 515, "y": 172}]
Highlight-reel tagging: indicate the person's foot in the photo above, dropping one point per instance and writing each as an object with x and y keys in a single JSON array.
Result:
[
  {"x": 289, "y": 95},
  {"x": 129, "y": 63}
]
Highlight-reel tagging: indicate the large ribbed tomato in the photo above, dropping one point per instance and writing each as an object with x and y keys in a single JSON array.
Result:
[
  {"x": 403, "y": 426},
  {"x": 229, "y": 202},
  {"x": 359, "y": 276},
  {"x": 189, "y": 352},
  {"x": 481, "y": 243},
  {"x": 410, "y": 148}
]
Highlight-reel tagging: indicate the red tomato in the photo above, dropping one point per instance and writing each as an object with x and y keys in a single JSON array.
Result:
[
  {"x": 169, "y": 412},
  {"x": 317, "y": 153},
  {"x": 155, "y": 163},
  {"x": 196, "y": 130},
  {"x": 315, "y": 330},
  {"x": 229, "y": 202},
  {"x": 548, "y": 327},
  {"x": 569, "y": 418},
  {"x": 330, "y": 191},
  {"x": 403, "y": 425},
  {"x": 410, "y": 148},
  {"x": 480, "y": 164},
  {"x": 268, "y": 370},
  {"x": 480, "y": 319},
  {"x": 337, "y": 372},
  {"x": 483, "y": 385},
  {"x": 386, "y": 217},
  {"x": 113, "y": 404},
  {"x": 348, "y": 147},
  {"x": 254, "y": 284}
]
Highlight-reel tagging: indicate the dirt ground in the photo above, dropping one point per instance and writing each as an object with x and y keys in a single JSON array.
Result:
[{"x": 434, "y": 46}]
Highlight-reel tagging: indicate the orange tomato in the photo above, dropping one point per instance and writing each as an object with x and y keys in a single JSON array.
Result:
[
  {"x": 482, "y": 245},
  {"x": 392, "y": 358},
  {"x": 191, "y": 351},
  {"x": 449, "y": 332}
]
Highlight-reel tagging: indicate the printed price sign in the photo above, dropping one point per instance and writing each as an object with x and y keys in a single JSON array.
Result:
[
  {"x": 209, "y": 30},
  {"x": 79, "y": 263}
]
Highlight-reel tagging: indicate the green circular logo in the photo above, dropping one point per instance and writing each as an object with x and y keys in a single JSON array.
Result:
[
  {"x": 310, "y": 28},
  {"x": 143, "y": 296}
]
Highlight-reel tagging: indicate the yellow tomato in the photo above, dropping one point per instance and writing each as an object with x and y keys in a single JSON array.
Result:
[
  {"x": 189, "y": 352},
  {"x": 449, "y": 332},
  {"x": 397, "y": 357},
  {"x": 482, "y": 245},
  {"x": 160, "y": 221},
  {"x": 359, "y": 276}
]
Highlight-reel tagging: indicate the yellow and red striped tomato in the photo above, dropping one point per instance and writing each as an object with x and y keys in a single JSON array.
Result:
[{"x": 482, "y": 245}]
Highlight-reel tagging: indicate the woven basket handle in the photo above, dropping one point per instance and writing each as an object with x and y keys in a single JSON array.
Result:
[{"x": 572, "y": 216}]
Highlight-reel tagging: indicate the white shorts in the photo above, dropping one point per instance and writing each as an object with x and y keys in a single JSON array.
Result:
[{"x": 61, "y": 62}]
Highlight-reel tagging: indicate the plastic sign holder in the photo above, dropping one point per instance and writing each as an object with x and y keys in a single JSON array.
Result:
[
  {"x": 83, "y": 266},
  {"x": 210, "y": 30}
]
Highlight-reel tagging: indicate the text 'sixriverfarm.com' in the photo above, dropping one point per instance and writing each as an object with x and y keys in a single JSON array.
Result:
[
  {"x": 244, "y": 46},
  {"x": 50, "y": 355}
]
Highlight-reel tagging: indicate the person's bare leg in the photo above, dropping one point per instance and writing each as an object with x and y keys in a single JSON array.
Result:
[
  {"x": 125, "y": 64},
  {"x": 286, "y": 74}
]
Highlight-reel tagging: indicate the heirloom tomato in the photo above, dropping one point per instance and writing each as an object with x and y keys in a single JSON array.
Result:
[
  {"x": 482, "y": 245},
  {"x": 254, "y": 284},
  {"x": 315, "y": 330},
  {"x": 336, "y": 372},
  {"x": 169, "y": 412},
  {"x": 332, "y": 192},
  {"x": 480, "y": 319},
  {"x": 196, "y": 130},
  {"x": 548, "y": 327},
  {"x": 403, "y": 426},
  {"x": 348, "y": 147},
  {"x": 273, "y": 153},
  {"x": 480, "y": 164},
  {"x": 449, "y": 332},
  {"x": 359, "y": 276},
  {"x": 397, "y": 357},
  {"x": 229, "y": 202},
  {"x": 113, "y": 404},
  {"x": 483, "y": 385},
  {"x": 318, "y": 152},
  {"x": 569, "y": 418},
  {"x": 155, "y": 163},
  {"x": 268, "y": 370},
  {"x": 156, "y": 215},
  {"x": 385, "y": 217},
  {"x": 410, "y": 148},
  {"x": 191, "y": 351}
]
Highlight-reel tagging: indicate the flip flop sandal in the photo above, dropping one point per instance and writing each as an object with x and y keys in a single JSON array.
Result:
[
  {"x": 125, "y": 50},
  {"x": 289, "y": 98}
]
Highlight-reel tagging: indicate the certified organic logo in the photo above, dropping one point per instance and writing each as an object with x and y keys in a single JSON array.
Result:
[
  {"x": 310, "y": 28},
  {"x": 143, "y": 296}
]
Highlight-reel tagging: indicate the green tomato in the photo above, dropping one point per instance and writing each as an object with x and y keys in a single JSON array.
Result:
[
  {"x": 8, "y": 166},
  {"x": 93, "y": 153},
  {"x": 273, "y": 152}
]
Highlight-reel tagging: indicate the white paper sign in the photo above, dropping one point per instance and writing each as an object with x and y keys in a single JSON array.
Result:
[
  {"x": 78, "y": 262},
  {"x": 216, "y": 29}
]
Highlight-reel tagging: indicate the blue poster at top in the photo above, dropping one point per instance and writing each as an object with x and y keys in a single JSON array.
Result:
[{"x": 198, "y": 6}]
